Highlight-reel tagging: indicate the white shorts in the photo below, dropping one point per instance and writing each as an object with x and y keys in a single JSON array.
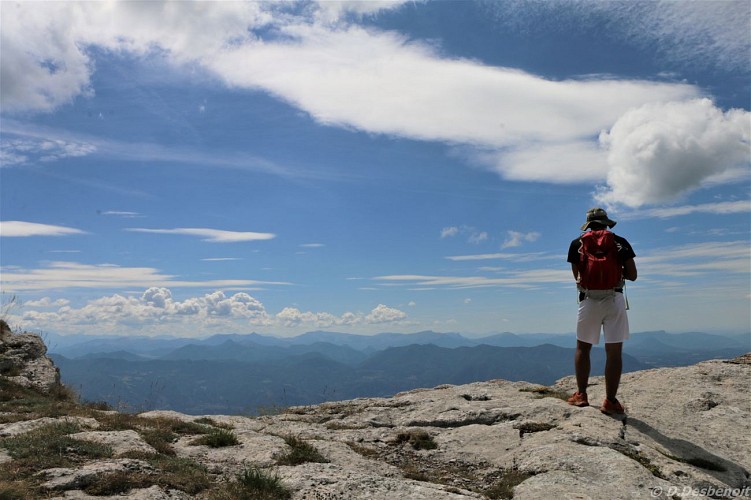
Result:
[{"x": 602, "y": 309}]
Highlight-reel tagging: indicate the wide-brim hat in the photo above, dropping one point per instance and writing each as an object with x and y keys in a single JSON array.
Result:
[{"x": 598, "y": 216}]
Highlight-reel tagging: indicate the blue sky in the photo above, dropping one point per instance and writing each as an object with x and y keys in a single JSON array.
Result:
[{"x": 193, "y": 168}]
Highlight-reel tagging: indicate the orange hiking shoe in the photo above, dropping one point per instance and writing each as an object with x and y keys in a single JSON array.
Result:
[
  {"x": 612, "y": 408},
  {"x": 578, "y": 399}
]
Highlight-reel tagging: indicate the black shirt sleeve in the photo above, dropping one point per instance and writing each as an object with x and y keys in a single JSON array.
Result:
[
  {"x": 625, "y": 252},
  {"x": 573, "y": 251}
]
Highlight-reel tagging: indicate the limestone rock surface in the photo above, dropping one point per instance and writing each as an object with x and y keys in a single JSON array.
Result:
[{"x": 687, "y": 434}]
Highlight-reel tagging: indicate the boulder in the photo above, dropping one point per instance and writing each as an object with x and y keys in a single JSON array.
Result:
[{"x": 23, "y": 360}]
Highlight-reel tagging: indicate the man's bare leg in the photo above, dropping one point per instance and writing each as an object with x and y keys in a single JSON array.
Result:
[
  {"x": 613, "y": 369},
  {"x": 582, "y": 365}
]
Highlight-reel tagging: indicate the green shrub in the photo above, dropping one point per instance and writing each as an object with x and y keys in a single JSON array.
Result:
[
  {"x": 217, "y": 438},
  {"x": 253, "y": 484},
  {"x": 300, "y": 452}
]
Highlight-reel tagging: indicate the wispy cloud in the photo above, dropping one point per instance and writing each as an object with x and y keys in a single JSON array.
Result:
[
  {"x": 313, "y": 245},
  {"x": 515, "y": 279},
  {"x": 65, "y": 275},
  {"x": 514, "y": 257},
  {"x": 688, "y": 34},
  {"x": 21, "y": 229},
  {"x": 121, "y": 213},
  {"x": 475, "y": 236},
  {"x": 220, "y": 259},
  {"x": 22, "y": 133},
  {"x": 32, "y": 150},
  {"x": 211, "y": 235},
  {"x": 719, "y": 208}
]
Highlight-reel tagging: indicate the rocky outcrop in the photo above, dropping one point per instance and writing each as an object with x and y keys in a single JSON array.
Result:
[
  {"x": 687, "y": 434},
  {"x": 23, "y": 360}
]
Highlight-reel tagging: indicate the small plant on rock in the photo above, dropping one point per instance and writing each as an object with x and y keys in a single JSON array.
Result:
[
  {"x": 420, "y": 440},
  {"x": 217, "y": 438},
  {"x": 253, "y": 484},
  {"x": 300, "y": 452}
]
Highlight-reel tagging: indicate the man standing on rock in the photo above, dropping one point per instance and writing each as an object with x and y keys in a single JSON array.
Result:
[{"x": 601, "y": 262}]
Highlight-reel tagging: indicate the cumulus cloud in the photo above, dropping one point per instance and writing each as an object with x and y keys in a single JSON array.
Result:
[
  {"x": 659, "y": 152},
  {"x": 385, "y": 314},
  {"x": 212, "y": 235},
  {"x": 20, "y": 229},
  {"x": 517, "y": 239},
  {"x": 156, "y": 306},
  {"x": 46, "y": 302}
]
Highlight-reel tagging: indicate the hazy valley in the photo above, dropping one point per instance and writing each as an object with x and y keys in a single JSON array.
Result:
[{"x": 251, "y": 374}]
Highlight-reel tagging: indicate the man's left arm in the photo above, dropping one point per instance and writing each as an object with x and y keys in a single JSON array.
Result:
[{"x": 629, "y": 270}]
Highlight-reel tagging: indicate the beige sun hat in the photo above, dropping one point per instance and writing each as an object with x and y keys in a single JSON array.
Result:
[{"x": 599, "y": 216}]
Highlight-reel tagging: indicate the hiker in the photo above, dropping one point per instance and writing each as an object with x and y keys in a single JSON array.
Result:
[{"x": 601, "y": 262}]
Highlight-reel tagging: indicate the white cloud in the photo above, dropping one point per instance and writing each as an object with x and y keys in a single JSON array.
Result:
[
  {"x": 313, "y": 245},
  {"x": 62, "y": 275},
  {"x": 212, "y": 235},
  {"x": 659, "y": 152},
  {"x": 448, "y": 232},
  {"x": 19, "y": 229},
  {"x": 291, "y": 317},
  {"x": 478, "y": 237},
  {"x": 121, "y": 213},
  {"x": 383, "y": 83},
  {"x": 46, "y": 302},
  {"x": 514, "y": 279},
  {"x": 725, "y": 262},
  {"x": 514, "y": 257},
  {"x": 316, "y": 58},
  {"x": 573, "y": 161},
  {"x": 516, "y": 238},
  {"x": 154, "y": 306},
  {"x": 719, "y": 208},
  {"x": 332, "y": 11},
  {"x": 385, "y": 314},
  {"x": 475, "y": 235}
]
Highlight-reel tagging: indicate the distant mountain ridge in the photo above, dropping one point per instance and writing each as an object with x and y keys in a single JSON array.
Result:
[
  {"x": 654, "y": 348},
  {"x": 231, "y": 373},
  {"x": 201, "y": 386}
]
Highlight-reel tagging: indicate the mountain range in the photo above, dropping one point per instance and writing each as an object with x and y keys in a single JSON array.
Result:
[{"x": 248, "y": 374}]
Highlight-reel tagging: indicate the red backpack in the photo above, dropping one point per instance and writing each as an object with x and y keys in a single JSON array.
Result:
[{"x": 599, "y": 268}]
